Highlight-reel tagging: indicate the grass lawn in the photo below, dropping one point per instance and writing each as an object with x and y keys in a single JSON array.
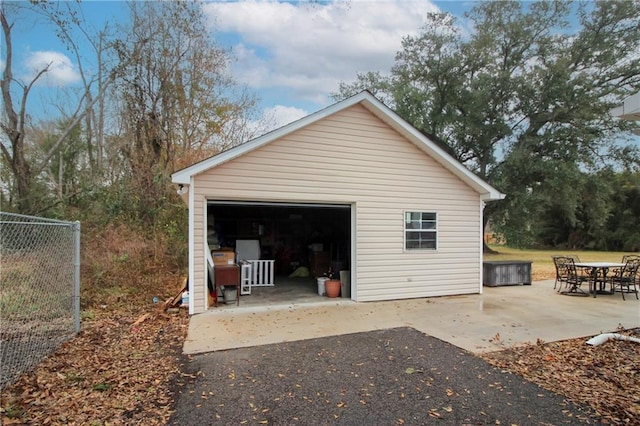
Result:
[{"x": 542, "y": 267}]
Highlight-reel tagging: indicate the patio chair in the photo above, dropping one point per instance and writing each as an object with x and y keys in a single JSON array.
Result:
[
  {"x": 570, "y": 277},
  {"x": 635, "y": 257},
  {"x": 616, "y": 272},
  {"x": 627, "y": 280},
  {"x": 560, "y": 273}
]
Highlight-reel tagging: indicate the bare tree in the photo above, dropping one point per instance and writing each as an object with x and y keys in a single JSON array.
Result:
[
  {"x": 178, "y": 103},
  {"x": 14, "y": 123},
  {"x": 25, "y": 168}
]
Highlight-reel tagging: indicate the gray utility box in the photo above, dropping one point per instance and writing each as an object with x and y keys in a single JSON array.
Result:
[
  {"x": 229, "y": 293},
  {"x": 506, "y": 272}
]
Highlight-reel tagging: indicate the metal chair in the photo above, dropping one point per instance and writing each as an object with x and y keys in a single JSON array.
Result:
[
  {"x": 616, "y": 272},
  {"x": 568, "y": 275},
  {"x": 560, "y": 273},
  {"x": 627, "y": 280},
  {"x": 635, "y": 257}
]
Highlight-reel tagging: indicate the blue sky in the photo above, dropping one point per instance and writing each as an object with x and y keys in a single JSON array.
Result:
[
  {"x": 296, "y": 54},
  {"x": 292, "y": 55}
]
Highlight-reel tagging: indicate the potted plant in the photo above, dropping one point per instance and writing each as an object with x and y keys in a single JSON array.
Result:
[{"x": 332, "y": 284}]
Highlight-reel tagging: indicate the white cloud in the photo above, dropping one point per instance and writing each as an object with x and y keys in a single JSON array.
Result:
[
  {"x": 61, "y": 71},
  {"x": 274, "y": 117},
  {"x": 280, "y": 115},
  {"x": 310, "y": 47}
]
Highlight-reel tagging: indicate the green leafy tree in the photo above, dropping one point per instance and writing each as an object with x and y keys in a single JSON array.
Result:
[
  {"x": 65, "y": 169},
  {"x": 623, "y": 226},
  {"x": 523, "y": 100}
]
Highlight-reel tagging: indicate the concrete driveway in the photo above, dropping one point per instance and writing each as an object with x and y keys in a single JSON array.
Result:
[{"x": 500, "y": 317}]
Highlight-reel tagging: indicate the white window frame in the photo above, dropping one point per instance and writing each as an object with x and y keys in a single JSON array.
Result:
[{"x": 407, "y": 219}]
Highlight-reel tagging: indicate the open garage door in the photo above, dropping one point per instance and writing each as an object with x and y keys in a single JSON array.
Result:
[{"x": 312, "y": 236}]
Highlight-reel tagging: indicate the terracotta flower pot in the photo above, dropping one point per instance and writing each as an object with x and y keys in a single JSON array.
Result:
[{"x": 332, "y": 288}]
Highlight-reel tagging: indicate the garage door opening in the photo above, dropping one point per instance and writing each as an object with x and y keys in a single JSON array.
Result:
[{"x": 299, "y": 238}]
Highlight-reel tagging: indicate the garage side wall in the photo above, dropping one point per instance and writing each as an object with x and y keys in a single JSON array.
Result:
[
  {"x": 354, "y": 157},
  {"x": 198, "y": 293}
]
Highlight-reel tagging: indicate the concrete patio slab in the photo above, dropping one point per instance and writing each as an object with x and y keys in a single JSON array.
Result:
[{"x": 500, "y": 317}]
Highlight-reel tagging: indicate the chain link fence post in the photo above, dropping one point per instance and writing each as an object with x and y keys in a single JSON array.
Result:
[{"x": 76, "y": 277}]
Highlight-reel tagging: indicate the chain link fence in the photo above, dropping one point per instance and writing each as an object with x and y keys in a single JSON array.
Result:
[{"x": 39, "y": 290}]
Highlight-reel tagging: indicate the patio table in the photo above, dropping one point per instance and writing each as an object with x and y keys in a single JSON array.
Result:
[{"x": 595, "y": 268}]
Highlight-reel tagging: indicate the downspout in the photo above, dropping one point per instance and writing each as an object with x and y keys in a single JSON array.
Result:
[
  {"x": 481, "y": 285},
  {"x": 602, "y": 338}
]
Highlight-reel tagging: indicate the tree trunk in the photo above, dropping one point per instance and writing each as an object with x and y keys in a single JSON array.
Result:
[
  {"x": 24, "y": 181},
  {"x": 487, "y": 249},
  {"x": 485, "y": 246}
]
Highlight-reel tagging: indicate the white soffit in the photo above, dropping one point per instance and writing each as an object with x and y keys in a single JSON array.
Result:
[{"x": 629, "y": 110}]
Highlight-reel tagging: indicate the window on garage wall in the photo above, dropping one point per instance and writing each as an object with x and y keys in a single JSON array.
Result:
[{"x": 420, "y": 230}]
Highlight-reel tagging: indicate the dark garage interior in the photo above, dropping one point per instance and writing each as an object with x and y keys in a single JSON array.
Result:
[{"x": 313, "y": 236}]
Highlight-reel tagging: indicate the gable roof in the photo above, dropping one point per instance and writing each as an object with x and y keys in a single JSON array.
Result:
[{"x": 377, "y": 108}]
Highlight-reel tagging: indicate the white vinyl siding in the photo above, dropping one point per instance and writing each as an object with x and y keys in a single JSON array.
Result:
[{"x": 352, "y": 157}]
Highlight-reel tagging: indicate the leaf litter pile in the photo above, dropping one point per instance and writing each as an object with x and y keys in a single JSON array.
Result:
[
  {"x": 123, "y": 367},
  {"x": 118, "y": 370},
  {"x": 606, "y": 377}
]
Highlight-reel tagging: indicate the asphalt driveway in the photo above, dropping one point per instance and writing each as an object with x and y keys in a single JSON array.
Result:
[{"x": 383, "y": 377}]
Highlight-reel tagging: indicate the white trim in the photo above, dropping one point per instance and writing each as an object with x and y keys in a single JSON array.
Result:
[
  {"x": 481, "y": 252},
  {"x": 207, "y": 255},
  {"x": 192, "y": 251},
  {"x": 353, "y": 264},
  {"x": 277, "y": 204},
  {"x": 486, "y": 191}
]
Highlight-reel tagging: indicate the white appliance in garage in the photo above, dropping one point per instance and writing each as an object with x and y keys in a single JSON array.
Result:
[{"x": 247, "y": 250}]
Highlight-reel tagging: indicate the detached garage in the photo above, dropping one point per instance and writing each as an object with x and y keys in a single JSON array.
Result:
[{"x": 353, "y": 187}]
